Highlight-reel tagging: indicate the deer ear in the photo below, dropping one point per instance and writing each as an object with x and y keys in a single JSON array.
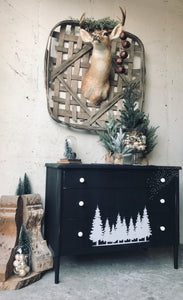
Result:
[
  {"x": 116, "y": 32},
  {"x": 85, "y": 36}
]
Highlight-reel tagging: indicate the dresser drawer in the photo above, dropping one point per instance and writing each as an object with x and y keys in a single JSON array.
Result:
[
  {"x": 82, "y": 178},
  {"x": 162, "y": 229},
  {"x": 163, "y": 200},
  {"x": 82, "y": 203},
  {"x": 76, "y": 234},
  {"x": 75, "y": 237}
]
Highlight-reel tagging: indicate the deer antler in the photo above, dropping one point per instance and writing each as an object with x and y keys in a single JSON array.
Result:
[
  {"x": 82, "y": 19},
  {"x": 123, "y": 15}
]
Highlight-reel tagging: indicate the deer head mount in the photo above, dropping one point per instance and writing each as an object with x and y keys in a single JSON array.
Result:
[{"x": 95, "y": 83}]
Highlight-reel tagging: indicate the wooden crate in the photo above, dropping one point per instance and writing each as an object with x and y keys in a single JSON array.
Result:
[{"x": 66, "y": 60}]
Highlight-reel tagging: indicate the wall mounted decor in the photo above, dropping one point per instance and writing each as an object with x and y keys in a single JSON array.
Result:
[
  {"x": 96, "y": 81},
  {"x": 67, "y": 59}
]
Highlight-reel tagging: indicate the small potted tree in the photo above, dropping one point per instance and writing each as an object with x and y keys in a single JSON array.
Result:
[{"x": 131, "y": 134}]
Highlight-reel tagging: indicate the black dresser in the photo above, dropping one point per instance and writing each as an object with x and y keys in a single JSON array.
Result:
[{"x": 96, "y": 208}]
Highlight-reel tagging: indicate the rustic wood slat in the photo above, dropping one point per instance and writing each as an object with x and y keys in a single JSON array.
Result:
[
  {"x": 73, "y": 95},
  {"x": 70, "y": 61},
  {"x": 105, "y": 108}
]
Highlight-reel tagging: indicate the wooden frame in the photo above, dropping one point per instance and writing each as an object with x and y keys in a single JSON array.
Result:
[{"x": 66, "y": 61}]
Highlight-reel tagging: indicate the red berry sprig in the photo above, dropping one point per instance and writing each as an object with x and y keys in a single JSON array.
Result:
[
  {"x": 126, "y": 44},
  {"x": 123, "y": 53},
  {"x": 123, "y": 35}
]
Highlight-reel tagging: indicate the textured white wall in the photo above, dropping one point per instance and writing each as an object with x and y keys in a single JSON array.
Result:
[{"x": 28, "y": 136}]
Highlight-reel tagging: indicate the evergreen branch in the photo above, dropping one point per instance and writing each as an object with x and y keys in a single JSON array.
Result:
[{"x": 90, "y": 24}]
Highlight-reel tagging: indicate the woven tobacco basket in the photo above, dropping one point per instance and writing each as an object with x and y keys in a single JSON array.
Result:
[{"x": 66, "y": 60}]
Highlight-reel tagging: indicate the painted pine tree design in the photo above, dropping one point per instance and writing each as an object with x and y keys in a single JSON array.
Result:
[
  {"x": 106, "y": 233},
  {"x": 96, "y": 234},
  {"x": 119, "y": 232},
  {"x": 146, "y": 224}
]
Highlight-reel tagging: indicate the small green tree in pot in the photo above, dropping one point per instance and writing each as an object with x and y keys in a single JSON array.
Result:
[{"x": 131, "y": 133}]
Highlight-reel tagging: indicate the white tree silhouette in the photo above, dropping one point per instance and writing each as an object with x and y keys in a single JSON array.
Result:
[
  {"x": 120, "y": 233},
  {"x": 96, "y": 234},
  {"x": 124, "y": 235},
  {"x": 138, "y": 227},
  {"x": 113, "y": 235},
  {"x": 146, "y": 225},
  {"x": 131, "y": 230},
  {"x": 106, "y": 233},
  {"x": 119, "y": 228}
]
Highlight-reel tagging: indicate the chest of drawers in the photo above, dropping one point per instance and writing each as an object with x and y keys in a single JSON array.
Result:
[{"x": 102, "y": 208}]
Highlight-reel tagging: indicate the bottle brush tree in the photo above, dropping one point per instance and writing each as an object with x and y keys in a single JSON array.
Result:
[
  {"x": 24, "y": 187},
  {"x": 20, "y": 189},
  {"x": 24, "y": 239},
  {"x": 24, "y": 244}
]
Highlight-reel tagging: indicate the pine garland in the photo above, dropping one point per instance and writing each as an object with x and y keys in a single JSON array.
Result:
[{"x": 90, "y": 24}]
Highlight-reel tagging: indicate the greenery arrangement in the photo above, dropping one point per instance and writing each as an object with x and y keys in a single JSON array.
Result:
[
  {"x": 24, "y": 187},
  {"x": 90, "y": 24},
  {"x": 113, "y": 137},
  {"x": 131, "y": 133}
]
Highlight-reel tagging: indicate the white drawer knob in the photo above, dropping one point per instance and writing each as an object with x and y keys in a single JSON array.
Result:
[
  {"x": 80, "y": 233},
  {"x": 162, "y": 180},
  {"x": 81, "y": 203},
  {"x": 81, "y": 180},
  {"x": 162, "y": 201},
  {"x": 162, "y": 228}
]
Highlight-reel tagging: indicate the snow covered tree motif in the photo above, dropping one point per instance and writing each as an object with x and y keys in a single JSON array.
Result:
[
  {"x": 96, "y": 234},
  {"x": 119, "y": 228},
  {"x": 131, "y": 230},
  {"x": 124, "y": 232},
  {"x": 119, "y": 233},
  {"x": 146, "y": 224},
  {"x": 113, "y": 234},
  {"x": 107, "y": 232},
  {"x": 138, "y": 228}
]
